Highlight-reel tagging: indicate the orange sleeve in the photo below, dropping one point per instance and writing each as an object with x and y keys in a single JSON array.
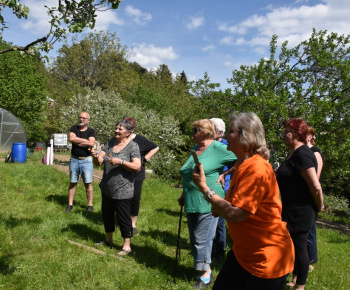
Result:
[{"x": 251, "y": 189}]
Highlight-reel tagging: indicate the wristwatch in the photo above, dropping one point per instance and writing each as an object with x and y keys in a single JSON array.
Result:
[{"x": 121, "y": 162}]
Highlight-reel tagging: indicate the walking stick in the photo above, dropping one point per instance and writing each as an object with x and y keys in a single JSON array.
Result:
[{"x": 178, "y": 245}]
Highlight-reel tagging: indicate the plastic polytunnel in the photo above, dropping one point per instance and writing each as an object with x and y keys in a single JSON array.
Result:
[{"x": 11, "y": 131}]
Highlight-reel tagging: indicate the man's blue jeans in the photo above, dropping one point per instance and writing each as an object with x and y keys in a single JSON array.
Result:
[{"x": 202, "y": 227}]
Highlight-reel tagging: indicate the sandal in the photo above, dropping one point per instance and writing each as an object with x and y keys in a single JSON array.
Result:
[{"x": 123, "y": 253}]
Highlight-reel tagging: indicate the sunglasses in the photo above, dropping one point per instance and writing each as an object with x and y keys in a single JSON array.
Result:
[{"x": 195, "y": 130}]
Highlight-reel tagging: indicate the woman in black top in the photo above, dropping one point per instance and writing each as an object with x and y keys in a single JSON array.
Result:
[
  {"x": 301, "y": 194},
  {"x": 147, "y": 150},
  {"x": 312, "y": 238}
]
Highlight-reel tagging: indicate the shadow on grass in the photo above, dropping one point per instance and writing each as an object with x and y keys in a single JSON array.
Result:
[
  {"x": 152, "y": 258},
  {"x": 12, "y": 222},
  {"x": 84, "y": 232},
  {"x": 147, "y": 255},
  {"x": 77, "y": 208},
  {"x": 60, "y": 199},
  {"x": 5, "y": 267},
  {"x": 170, "y": 212},
  {"x": 167, "y": 238}
]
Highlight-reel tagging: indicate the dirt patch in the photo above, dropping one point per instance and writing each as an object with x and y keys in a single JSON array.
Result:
[{"x": 345, "y": 229}]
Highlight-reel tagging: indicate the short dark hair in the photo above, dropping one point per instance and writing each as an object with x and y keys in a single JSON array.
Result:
[
  {"x": 132, "y": 120},
  {"x": 126, "y": 124}
]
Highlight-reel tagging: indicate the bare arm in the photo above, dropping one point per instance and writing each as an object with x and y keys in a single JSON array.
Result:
[
  {"x": 313, "y": 182},
  {"x": 133, "y": 166},
  {"x": 229, "y": 212},
  {"x": 81, "y": 142},
  {"x": 150, "y": 154},
  {"x": 319, "y": 164}
]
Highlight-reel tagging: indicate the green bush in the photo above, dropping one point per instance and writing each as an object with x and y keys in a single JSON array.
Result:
[
  {"x": 336, "y": 203},
  {"x": 106, "y": 109}
]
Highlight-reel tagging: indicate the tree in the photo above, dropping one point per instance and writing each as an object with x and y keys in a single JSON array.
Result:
[
  {"x": 94, "y": 61},
  {"x": 213, "y": 101},
  {"x": 158, "y": 91},
  {"x": 182, "y": 77},
  {"x": 67, "y": 15},
  {"x": 310, "y": 81},
  {"x": 22, "y": 91}
]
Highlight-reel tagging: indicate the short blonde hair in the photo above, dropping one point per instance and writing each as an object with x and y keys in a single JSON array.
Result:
[
  {"x": 251, "y": 133},
  {"x": 206, "y": 127}
]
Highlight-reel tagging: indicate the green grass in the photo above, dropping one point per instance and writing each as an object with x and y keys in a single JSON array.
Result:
[{"x": 35, "y": 254}]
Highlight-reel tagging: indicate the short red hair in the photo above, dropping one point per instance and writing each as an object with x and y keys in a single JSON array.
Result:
[{"x": 299, "y": 127}]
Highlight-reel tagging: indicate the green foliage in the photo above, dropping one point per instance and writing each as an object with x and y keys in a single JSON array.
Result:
[
  {"x": 22, "y": 91},
  {"x": 94, "y": 61},
  {"x": 67, "y": 15},
  {"x": 335, "y": 203},
  {"x": 159, "y": 91},
  {"x": 213, "y": 102},
  {"x": 309, "y": 81},
  {"x": 106, "y": 109}
]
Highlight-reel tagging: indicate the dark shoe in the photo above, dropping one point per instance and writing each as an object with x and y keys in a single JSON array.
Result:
[
  {"x": 104, "y": 243},
  {"x": 201, "y": 285},
  {"x": 124, "y": 253},
  {"x": 135, "y": 231},
  {"x": 90, "y": 208},
  {"x": 69, "y": 208}
]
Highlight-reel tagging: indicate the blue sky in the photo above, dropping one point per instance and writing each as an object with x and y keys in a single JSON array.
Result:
[{"x": 198, "y": 36}]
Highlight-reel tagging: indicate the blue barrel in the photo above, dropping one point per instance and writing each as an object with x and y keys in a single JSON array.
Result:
[{"x": 19, "y": 152}]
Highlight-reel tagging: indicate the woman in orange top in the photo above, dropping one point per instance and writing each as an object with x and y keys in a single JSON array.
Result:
[{"x": 262, "y": 255}]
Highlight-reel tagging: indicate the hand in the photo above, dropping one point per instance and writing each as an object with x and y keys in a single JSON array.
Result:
[
  {"x": 221, "y": 180},
  {"x": 181, "y": 201},
  {"x": 114, "y": 161},
  {"x": 321, "y": 209},
  {"x": 214, "y": 213},
  {"x": 94, "y": 153},
  {"x": 198, "y": 176}
]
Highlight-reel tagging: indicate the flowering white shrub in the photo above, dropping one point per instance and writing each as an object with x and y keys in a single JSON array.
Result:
[{"x": 106, "y": 109}]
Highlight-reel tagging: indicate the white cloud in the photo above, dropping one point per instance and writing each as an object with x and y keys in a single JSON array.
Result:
[
  {"x": 195, "y": 22},
  {"x": 106, "y": 18},
  {"x": 231, "y": 40},
  {"x": 208, "y": 47},
  {"x": 290, "y": 23},
  {"x": 151, "y": 56},
  {"x": 38, "y": 20},
  {"x": 137, "y": 15},
  {"x": 191, "y": 77}
]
